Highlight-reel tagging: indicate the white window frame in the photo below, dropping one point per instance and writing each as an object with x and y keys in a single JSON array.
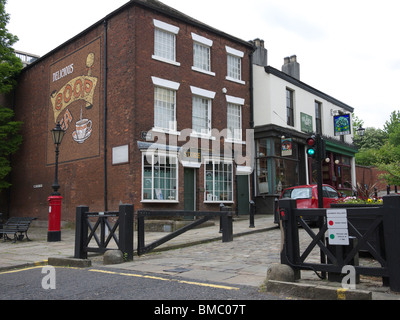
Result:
[
  {"x": 158, "y": 197},
  {"x": 206, "y": 131},
  {"x": 209, "y": 96},
  {"x": 168, "y": 30},
  {"x": 214, "y": 198},
  {"x": 237, "y": 102},
  {"x": 234, "y": 55},
  {"x": 171, "y": 86},
  {"x": 202, "y": 43},
  {"x": 234, "y": 134}
]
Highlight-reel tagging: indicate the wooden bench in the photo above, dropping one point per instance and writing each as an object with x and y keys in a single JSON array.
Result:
[{"x": 18, "y": 227}]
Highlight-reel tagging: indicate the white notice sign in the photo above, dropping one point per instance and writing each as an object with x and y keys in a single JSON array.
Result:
[
  {"x": 339, "y": 237},
  {"x": 338, "y": 227}
]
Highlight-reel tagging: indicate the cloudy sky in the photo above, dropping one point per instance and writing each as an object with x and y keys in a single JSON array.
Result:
[{"x": 347, "y": 49}]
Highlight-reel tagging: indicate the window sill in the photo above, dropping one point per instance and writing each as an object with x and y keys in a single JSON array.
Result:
[
  {"x": 235, "y": 80},
  {"x": 202, "y": 136},
  {"x": 203, "y": 71},
  {"x": 161, "y": 59},
  {"x": 166, "y": 131},
  {"x": 218, "y": 202},
  {"x": 160, "y": 201}
]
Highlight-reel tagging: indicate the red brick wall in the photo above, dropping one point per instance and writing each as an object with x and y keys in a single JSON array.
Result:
[
  {"x": 130, "y": 110},
  {"x": 370, "y": 176}
]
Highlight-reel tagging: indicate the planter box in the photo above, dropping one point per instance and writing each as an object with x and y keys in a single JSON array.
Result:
[{"x": 355, "y": 205}]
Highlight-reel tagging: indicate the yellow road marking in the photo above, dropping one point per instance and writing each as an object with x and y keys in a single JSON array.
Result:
[
  {"x": 20, "y": 270},
  {"x": 38, "y": 265},
  {"x": 341, "y": 294},
  {"x": 129, "y": 275},
  {"x": 164, "y": 279}
]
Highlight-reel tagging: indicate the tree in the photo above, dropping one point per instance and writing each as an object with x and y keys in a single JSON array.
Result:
[
  {"x": 10, "y": 67},
  {"x": 10, "y": 142},
  {"x": 369, "y": 144},
  {"x": 388, "y": 156},
  {"x": 394, "y": 122}
]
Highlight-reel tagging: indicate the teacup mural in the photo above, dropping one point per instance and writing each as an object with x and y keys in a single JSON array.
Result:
[
  {"x": 83, "y": 130},
  {"x": 75, "y": 102}
]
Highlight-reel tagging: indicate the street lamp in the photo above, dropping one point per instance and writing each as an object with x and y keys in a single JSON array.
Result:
[
  {"x": 57, "y": 134},
  {"x": 54, "y": 231},
  {"x": 361, "y": 131}
]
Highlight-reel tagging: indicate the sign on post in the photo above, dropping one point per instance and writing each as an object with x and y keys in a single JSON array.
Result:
[{"x": 338, "y": 228}]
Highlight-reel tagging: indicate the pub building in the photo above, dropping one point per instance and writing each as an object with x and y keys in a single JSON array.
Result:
[
  {"x": 287, "y": 112},
  {"x": 156, "y": 108}
]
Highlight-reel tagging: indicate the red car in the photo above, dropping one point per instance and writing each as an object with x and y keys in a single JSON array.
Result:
[{"x": 307, "y": 196}]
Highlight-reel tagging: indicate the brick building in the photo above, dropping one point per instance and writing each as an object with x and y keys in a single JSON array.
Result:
[{"x": 154, "y": 105}]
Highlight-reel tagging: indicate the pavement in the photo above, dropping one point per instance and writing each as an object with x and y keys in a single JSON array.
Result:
[{"x": 200, "y": 255}]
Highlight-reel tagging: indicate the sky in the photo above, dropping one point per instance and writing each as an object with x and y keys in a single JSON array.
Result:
[{"x": 349, "y": 50}]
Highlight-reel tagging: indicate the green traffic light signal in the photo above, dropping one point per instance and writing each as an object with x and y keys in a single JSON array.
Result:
[
  {"x": 312, "y": 147},
  {"x": 311, "y": 152}
]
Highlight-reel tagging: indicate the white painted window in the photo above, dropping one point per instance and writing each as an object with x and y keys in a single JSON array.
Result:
[
  {"x": 218, "y": 181},
  {"x": 201, "y": 115},
  {"x": 201, "y": 57},
  {"x": 201, "y": 111},
  {"x": 234, "y": 122},
  {"x": 164, "y": 109},
  {"x": 234, "y": 72},
  {"x": 202, "y": 54},
  {"x": 234, "y": 118},
  {"x": 160, "y": 177},
  {"x": 165, "y": 42},
  {"x": 165, "y": 104}
]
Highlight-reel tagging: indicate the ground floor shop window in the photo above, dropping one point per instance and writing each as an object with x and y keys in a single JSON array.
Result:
[
  {"x": 343, "y": 172},
  {"x": 335, "y": 172},
  {"x": 218, "y": 181},
  {"x": 160, "y": 177},
  {"x": 286, "y": 174},
  {"x": 276, "y": 170}
]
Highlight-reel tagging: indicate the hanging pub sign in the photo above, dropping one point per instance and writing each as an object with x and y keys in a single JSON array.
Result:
[
  {"x": 287, "y": 150},
  {"x": 342, "y": 125}
]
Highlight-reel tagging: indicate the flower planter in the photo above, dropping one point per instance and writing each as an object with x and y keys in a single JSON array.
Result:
[{"x": 354, "y": 205}]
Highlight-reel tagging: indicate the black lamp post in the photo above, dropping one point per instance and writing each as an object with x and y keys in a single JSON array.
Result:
[
  {"x": 54, "y": 233},
  {"x": 57, "y": 134}
]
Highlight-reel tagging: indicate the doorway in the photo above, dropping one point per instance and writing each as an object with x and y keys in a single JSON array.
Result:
[
  {"x": 189, "y": 189},
  {"x": 243, "y": 194}
]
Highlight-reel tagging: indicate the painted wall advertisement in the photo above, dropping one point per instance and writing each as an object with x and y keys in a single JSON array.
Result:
[{"x": 74, "y": 101}]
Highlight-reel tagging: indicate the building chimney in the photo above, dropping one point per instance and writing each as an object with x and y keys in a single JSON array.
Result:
[
  {"x": 291, "y": 67},
  {"x": 260, "y": 55}
]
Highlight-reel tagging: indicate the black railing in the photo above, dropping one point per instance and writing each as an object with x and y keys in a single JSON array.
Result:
[
  {"x": 96, "y": 226},
  {"x": 384, "y": 225},
  {"x": 225, "y": 225}
]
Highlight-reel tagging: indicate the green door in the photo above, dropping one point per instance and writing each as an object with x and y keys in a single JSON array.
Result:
[
  {"x": 243, "y": 195},
  {"x": 190, "y": 189}
]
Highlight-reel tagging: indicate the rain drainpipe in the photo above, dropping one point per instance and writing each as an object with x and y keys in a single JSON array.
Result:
[{"x": 105, "y": 116}]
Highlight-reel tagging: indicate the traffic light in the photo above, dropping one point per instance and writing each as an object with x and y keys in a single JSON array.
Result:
[{"x": 312, "y": 147}]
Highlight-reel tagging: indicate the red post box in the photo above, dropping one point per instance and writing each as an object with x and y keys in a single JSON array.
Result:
[{"x": 54, "y": 232}]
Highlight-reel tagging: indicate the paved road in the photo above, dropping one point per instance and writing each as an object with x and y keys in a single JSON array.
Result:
[
  {"x": 48, "y": 283},
  {"x": 243, "y": 262}
]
